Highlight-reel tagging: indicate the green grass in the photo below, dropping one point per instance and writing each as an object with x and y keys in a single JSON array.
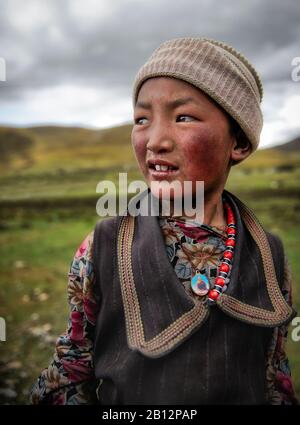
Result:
[
  {"x": 34, "y": 264},
  {"x": 48, "y": 195},
  {"x": 34, "y": 260}
]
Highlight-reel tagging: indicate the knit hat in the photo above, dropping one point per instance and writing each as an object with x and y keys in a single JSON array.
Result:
[{"x": 217, "y": 69}]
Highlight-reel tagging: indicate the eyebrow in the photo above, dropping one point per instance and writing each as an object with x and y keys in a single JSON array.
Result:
[{"x": 171, "y": 104}]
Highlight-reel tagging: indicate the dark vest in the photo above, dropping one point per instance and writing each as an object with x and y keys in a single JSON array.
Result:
[{"x": 155, "y": 345}]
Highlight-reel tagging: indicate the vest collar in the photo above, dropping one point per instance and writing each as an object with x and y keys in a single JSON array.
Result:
[
  {"x": 275, "y": 310},
  {"x": 155, "y": 327}
]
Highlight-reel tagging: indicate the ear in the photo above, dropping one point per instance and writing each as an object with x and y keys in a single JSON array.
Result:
[{"x": 241, "y": 149}]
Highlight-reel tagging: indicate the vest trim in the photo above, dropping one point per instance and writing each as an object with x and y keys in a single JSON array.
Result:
[
  {"x": 183, "y": 326},
  {"x": 282, "y": 312},
  {"x": 171, "y": 335}
]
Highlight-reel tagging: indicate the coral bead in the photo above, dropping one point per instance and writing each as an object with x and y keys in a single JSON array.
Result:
[
  {"x": 231, "y": 231},
  {"x": 224, "y": 268},
  {"x": 228, "y": 254},
  {"x": 220, "y": 281},
  {"x": 213, "y": 294},
  {"x": 230, "y": 242}
]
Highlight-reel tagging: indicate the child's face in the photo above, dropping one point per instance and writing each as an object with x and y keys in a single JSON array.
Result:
[{"x": 177, "y": 123}]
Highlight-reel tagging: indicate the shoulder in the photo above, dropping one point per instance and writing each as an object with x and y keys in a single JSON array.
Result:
[
  {"x": 105, "y": 228},
  {"x": 105, "y": 232},
  {"x": 85, "y": 248},
  {"x": 281, "y": 262},
  {"x": 278, "y": 256},
  {"x": 82, "y": 262},
  {"x": 106, "y": 225},
  {"x": 275, "y": 243}
]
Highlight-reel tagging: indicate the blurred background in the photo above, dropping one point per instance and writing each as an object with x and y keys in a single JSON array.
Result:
[{"x": 65, "y": 124}]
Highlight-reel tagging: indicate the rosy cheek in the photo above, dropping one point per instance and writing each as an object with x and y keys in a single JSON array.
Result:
[
  {"x": 139, "y": 147},
  {"x": 204, "y": 146},
  {"x": 197, "y": 146}
]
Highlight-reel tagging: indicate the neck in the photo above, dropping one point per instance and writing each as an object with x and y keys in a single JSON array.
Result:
[{"x": 214, "y": 213}]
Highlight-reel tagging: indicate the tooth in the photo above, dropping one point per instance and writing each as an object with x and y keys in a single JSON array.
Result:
[
  {"x": 164, "y": 168},
  {"x": 157, "y": 167}
]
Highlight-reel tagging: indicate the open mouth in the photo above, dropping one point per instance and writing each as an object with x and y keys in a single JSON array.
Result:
[
  {"x": 162, "y": 168},
  {"x": 163, "y": 171}
]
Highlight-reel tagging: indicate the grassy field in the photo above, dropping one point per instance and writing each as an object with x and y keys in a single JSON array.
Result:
[{"x": 47, "y": 201}]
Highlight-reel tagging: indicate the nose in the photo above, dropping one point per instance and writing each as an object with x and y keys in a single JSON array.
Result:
[{"x": 160, "y": 139}]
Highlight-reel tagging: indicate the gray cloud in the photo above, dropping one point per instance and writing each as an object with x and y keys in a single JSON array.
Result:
[
  {"x": 102, "y": 44},
  {"x": 65, "y": 46}
]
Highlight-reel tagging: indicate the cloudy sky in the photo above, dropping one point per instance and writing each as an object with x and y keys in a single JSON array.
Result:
[{"x": 72, "y": 62}]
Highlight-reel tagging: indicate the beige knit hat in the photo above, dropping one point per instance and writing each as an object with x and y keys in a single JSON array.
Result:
[{"x": 216, "y": 68}]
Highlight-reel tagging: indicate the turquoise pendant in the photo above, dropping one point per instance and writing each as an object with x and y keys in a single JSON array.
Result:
[{"x": 200, "y": 284}]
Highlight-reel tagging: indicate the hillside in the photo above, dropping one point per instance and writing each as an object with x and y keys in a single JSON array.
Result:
[
  {"x": 50, "y": 162},
  {"x": 292, "y": 146},
  {"x": 49, "y": 148}
]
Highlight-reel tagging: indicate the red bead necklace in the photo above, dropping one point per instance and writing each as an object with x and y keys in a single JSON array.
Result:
[{"x": 222, "y": 278}]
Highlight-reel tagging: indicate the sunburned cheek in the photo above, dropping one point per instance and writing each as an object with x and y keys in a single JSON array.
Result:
[
  {"x": 201, "y": 150},
  {"x": 203, "y": 158},
  {"x": 139, "y": 151}
]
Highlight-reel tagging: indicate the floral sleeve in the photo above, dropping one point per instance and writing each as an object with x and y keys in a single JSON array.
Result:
[
  {"x": 279, "y": 380},
  {"x": 69, "y": 379}
]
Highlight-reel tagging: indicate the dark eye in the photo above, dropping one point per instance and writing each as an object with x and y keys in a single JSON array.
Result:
[
  {"x": 140, "y": 121},
  {"x": 184, "y": 118}
]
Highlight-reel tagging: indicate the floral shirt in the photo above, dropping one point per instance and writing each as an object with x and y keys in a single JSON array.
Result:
[{"x": 69, "y": 379}]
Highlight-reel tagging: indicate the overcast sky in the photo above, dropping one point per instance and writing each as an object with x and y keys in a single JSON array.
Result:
[{"x": 72, "y": 62}]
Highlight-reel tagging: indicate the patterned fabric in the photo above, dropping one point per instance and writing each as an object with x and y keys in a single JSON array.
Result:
[
  {"x": 190, "y": 247},
  {"x": 70, "y": 379},
  {"x": 279, "y": 380}
]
